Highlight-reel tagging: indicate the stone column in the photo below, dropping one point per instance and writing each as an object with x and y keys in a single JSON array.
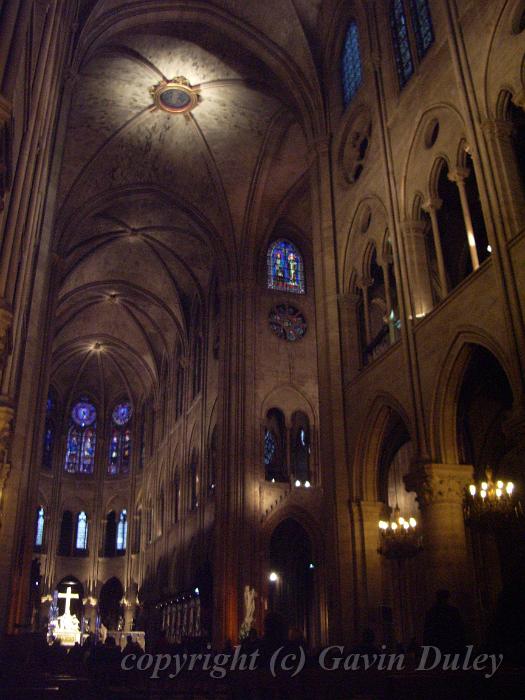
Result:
[
  {"x": 351, "y": 360},
  {"x": 364, "y": 284},
  {"x": 385, "y": 265},
  {"x": 459, "y": 176},
  {"x": 432, "y": 207},
  {"x": 365, "y": 517},
  {"x": 419, "y": 272},
  {"x": 440, "y": 491},
  {"x": 338, "y": 584},
  {"x": 90, "y": 611},
  {"x": 498, "y": 134}
]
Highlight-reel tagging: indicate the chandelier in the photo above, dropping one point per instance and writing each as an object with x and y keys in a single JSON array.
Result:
[
  {"x": 400, "y": 538},
  {"x": 490, "y": 502}
]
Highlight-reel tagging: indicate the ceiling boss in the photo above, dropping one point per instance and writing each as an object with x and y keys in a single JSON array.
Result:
[{"x": 175, "y": 96}]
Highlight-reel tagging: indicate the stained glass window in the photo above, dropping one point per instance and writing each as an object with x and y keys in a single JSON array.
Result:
[
  {"x": 81, "y": 439},
  {"x": 122, "y": 531},
  {"x": 351, "y": 69},
  {"x": 120, "y": 440},
  {"x": 122, "y": 413},
  {"x": 39, "y": 535},
  {"x": 82, "y": 531},
  {"x": 402, "y": 50},
  {"x": 422, "y": 23},
  {"x": 270, "y": 447},
  {"x": 84, "y": 414},
  {"x": 285, "y": 267},
  {"x": 287, "y": 322}
]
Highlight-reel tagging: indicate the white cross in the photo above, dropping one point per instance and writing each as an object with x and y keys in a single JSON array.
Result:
[{"x": 69, "y": 597}]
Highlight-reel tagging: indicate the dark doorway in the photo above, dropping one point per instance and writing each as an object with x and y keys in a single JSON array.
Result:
[
  {"x": 485, "y": 404},
  {"x": 109, "y": 603},
  {"x": 292, "y": 594}
]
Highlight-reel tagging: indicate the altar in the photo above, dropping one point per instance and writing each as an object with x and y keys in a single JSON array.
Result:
[{"x": 67, "y": 626}]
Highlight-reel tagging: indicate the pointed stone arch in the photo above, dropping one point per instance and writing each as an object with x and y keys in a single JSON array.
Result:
[
  {"x": 443, "y": 433},
  {"x": 367, "y": 477}
]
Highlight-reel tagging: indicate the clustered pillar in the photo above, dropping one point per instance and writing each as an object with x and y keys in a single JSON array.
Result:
[{"x": 440, "y": 492}]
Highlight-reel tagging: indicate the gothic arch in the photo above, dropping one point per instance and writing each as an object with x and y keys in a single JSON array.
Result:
[
  {"x": 339, "y": 18},
  {"x": 288, "y": 399},
  {"x": 75, "y": 504},
  {"x": 505, "y": 46},
  {"x": 369, "y": 223},
  {"x": 294, "y": 512},
  {"x": 116, "y": 503},
  {"x": 422, "y": 158},
  {"x": 367, "y": 463},
  {"x": 443, "y": 437},
  {"x": 315, "y": 534}
]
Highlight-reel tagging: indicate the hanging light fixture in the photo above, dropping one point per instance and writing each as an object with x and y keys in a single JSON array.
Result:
[
  {"x": 490, "y": 502},
  {"x": 400, "y": 538}
]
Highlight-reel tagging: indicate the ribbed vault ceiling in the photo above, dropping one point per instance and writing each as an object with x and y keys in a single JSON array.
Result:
[{"x": 151, "y": 205}]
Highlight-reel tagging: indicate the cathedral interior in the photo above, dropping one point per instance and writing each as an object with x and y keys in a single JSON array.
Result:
[{"x": 289, "y": 379}]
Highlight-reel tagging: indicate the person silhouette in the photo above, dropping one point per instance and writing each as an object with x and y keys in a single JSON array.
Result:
[{"x": 443, "y": 625}]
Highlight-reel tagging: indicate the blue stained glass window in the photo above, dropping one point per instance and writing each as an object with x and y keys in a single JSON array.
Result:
[
  {"x": 285, "y": 267},
  {"x": 74, "y": 440},
  {"x": 423, "y": 29},
  {"x": 122, "y": 531},
  {"x": 82, "y": 531},
  {"x": 120, "y": 441},
  {"x": 39, "y": 536},
  {"x": 81, "y": 439},
  {"x": 122, "y": 413},
  {"x": 84, "y": 414},
  {"x": 351, "y": 69},
  {"x": 270, "y": 447},
  {"x": 402, "y": 51}
]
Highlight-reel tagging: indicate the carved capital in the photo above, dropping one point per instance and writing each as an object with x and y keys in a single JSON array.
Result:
[
  {"x": 458, "y": 175},
  {"x": 365, "y": 282},
  {"x": 439, "y": 483},
  {"x": 433, "y": 204}
]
